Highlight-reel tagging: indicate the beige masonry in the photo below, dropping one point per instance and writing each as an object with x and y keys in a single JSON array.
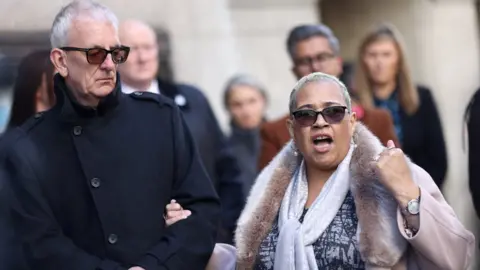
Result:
[{"x": 214, "y": 39}]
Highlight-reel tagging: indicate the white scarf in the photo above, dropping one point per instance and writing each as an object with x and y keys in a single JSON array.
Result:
[{"x": 294, "y": 248}]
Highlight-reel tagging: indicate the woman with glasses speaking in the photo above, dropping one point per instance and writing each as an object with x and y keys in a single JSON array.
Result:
[{"x": 336, "y": 198}]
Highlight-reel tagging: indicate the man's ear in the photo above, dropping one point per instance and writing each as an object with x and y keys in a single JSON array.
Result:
[{"x": 59, "y": 61}]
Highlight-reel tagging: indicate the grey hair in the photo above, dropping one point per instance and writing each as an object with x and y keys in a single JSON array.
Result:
[
  {"x": 303, "y": 32},
  {"x": 242, "y": 80},
  {"x": 63, "y": 20},
  {"x": 318, "y": 77}
]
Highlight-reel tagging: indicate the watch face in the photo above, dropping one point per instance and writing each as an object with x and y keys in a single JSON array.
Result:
[{"x": 413, "y": 207}]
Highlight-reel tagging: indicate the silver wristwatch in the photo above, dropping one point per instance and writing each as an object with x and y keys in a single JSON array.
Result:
[{"x": 413, "y": 206}]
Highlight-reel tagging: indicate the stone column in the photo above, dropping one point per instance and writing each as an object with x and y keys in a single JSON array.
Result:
[
  {"x": 449, "y": 59},
  {"x": 261, "y": 29},
  {"x": 203, "y": 47}
]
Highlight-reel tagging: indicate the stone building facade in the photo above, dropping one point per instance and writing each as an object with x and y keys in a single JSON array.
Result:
[{"x": 210, "y": 40}]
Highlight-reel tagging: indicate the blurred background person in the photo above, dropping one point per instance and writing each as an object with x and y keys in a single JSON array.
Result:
[
  {"x": 370, "y": 115},
  {"x": 33, "y": 89},
  {"x": 245, "y": 99},
  {"x": 383, "y": 80},
  {"x": 472, "y": 118},
  {"x": 32, "y": 93},
  {"x": 314, "y": 48},
  {"x": 139, "y": 73}
]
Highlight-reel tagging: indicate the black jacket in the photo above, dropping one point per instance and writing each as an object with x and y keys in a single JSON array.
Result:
[
  {"x": 246, "y": 147},
  {"x": 472, "y": 116},
  {"x": 92, "y": 185},
  {"x": 423, "y": 139},
  {"x": 217, "y": 155}
]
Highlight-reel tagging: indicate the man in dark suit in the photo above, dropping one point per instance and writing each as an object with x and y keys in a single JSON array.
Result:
[
  {"x": 139, "y": 74},
  {"x": 92, "y": 176}
]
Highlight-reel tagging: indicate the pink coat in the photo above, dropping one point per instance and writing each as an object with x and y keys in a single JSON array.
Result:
[{"x": 442, "y": 242}]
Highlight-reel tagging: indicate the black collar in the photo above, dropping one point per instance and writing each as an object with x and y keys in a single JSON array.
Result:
[{"x": 72, "y": 111}]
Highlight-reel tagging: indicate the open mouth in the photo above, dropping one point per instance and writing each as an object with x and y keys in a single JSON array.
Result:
[
  {"x": 322, "y": 143},
  {"x": 322, "y": 140}
]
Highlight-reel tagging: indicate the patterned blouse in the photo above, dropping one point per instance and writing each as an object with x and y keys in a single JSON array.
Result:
[{"x": 336, "y": 248}]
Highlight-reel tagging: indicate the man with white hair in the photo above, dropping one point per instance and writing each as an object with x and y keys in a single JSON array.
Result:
[
  {"x": 92, "y": 176},
  {"x": 139, "y": 73}
]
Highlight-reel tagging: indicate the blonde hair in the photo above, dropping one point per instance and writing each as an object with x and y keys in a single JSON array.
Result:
[{"x": 407, "y": 92}]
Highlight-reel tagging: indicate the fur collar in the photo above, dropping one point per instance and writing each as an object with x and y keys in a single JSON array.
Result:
[{"x": 380, "y": 242}]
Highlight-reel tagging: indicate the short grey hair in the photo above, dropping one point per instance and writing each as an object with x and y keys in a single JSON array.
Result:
[
  {"x": 242, "y": 80},
  {"x": 318, "y": 77},
  {"x": 304, "y": 32},
  {"x": 62, "y": 23}
]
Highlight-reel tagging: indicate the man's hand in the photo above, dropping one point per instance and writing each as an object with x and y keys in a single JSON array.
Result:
[{"x": 175, "y": 213}]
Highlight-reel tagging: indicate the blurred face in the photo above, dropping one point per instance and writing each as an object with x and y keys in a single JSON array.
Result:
[
  {"x": 142, "y": 65},
  {"x": 88, "y": 82},
  {"x": 315, "y": 55},
  {"x": 246, "y": 105},
  {"x": 381, "y": 59},
  {"x": 324, "y": 141}
]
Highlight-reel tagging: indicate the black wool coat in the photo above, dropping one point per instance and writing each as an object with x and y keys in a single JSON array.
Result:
[
  {"x": 217, "y": 155},
  {"x": 90, "y": 186}
]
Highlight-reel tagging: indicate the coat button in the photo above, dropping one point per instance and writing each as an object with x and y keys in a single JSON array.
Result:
[
  {"x": 138, "y": 93},
  {"x": 77, "y": 130},
  {"x": 95, "y": 182},
  {"x": 112, "y": 238}
]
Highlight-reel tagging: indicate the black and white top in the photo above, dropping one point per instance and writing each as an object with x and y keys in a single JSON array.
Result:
[{"x": 337, "y": 248}]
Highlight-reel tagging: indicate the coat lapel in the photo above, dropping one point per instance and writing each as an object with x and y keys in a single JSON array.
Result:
[{"x": 380, "y": 242}]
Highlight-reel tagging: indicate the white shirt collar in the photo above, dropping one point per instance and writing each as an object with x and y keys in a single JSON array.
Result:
[{"x": 153, "y": 88}]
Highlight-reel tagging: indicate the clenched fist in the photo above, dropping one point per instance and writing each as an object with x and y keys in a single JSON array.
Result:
[{"x": 395, "y": 174}]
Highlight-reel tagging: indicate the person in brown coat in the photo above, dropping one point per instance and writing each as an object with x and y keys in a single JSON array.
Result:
[{"x": 314, "y": 48}]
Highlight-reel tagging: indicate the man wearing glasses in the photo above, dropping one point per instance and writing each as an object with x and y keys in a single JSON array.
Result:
[
  {"x": 314, "y": 48},
  {"x": 92, "y": 176}
]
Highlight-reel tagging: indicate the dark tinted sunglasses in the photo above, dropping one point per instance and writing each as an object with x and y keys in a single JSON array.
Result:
[
  {"x": 96, "y": 56},
  {"x": 308, "y": 117}
]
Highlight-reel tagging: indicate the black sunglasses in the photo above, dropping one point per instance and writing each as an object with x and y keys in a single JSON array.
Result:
[
  {"x": 308, "y": 117},
  {"x": 96, "y": 56}
]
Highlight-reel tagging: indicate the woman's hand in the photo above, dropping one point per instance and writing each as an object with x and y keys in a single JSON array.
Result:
[
  {"x": 175, "y": 213},
  {"x": 395, "y": 175}
]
